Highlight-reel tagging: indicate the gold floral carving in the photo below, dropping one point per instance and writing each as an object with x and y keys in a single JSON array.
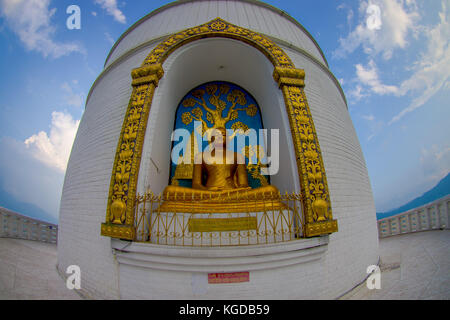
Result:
[
  {"x": 317, "y": 205},
  {"x": 220, "y": 28},
  {"x": 313, "y": 182},
  {"x": 122, "y": 194}
]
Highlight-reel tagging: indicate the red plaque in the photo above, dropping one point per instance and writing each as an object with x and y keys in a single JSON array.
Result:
[{"x": 234, "y": 277}]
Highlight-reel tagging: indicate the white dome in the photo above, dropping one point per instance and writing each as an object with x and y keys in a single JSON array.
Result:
[{"x": 179, "y": 15}]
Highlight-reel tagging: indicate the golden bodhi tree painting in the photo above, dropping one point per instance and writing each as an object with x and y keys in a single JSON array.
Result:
[{"x": 221, "y": 105}]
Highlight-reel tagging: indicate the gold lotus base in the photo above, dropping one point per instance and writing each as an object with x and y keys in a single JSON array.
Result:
[{"x": 220, "y": 207}]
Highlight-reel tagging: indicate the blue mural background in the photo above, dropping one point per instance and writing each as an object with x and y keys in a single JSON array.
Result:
[{"x": 187, "y": 113}]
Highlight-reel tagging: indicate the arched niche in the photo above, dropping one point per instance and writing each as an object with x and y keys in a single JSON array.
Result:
[
  {"x": 204, "y": 61},
  {"x": 130, "y": 150}
]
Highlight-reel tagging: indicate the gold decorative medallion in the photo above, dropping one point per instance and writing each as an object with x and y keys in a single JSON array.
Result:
[{"x": 317, "y": 205}]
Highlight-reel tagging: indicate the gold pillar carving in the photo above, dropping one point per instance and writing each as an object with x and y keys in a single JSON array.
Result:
[
  {"x": 311, "y": 170},
  {"x": 120, "y": 208}
]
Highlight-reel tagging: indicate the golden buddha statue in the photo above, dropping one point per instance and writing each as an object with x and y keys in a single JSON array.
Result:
[{"x": 220, "y": 184}]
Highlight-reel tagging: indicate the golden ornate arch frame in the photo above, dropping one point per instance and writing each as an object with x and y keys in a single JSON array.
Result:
[{"x": 317, "y": 205}]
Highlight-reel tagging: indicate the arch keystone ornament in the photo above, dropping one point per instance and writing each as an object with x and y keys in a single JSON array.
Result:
[{"x": 121, "y": 200}]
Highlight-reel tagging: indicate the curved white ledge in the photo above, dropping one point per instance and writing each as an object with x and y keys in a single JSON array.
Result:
[{"x": 219, "y": 259}]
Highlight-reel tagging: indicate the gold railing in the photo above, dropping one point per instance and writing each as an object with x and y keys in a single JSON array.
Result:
[{"x": 280, "y": 220}]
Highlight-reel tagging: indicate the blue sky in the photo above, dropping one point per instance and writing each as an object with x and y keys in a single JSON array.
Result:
[{"x": 392, "y": 58}]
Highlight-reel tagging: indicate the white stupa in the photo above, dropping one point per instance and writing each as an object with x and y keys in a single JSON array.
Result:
[{"x": 124, "y": 143}]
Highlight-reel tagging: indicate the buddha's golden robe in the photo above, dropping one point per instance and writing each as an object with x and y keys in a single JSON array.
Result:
[{"x": 225, "y": 189}]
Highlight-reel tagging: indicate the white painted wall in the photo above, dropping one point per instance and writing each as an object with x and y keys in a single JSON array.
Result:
[
  {"x": 85, "y": 193},
  {"x": 283, "y": 271}
]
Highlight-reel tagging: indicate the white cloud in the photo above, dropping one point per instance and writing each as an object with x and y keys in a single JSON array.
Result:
[
  {"x": 381, "y": 33},
  {"x": 27, "y": 179},
  {"x": 350, "y": 14},
  {"x": 432, "y": 69},
  {"x": 357, "y": 94},
  {"x": 31, "y": 21},
  {"x": 419, "y": 176},
  {"x": 374, "y": 126},
  {"x": 109, "y": 38},
  {"x": 370, "y": 117},
  {"x": 429, "y": 73},
  {"x": 369, "y": 77},
  {"x": 111, "y": 8},
  {"x": 72, "y": 99},
  {"x": 435, "y": 162},
  {"x": 54, "y": 149},
  {"x": 341, "y": 6}
]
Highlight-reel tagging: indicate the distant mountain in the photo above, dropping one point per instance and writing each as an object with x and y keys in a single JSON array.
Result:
[
  {"x": 9, "y": 202},
  {"x": 440, "y": 190}
]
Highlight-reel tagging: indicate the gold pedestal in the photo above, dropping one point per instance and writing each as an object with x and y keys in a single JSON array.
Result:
[{"x": 221, "y": 207}]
